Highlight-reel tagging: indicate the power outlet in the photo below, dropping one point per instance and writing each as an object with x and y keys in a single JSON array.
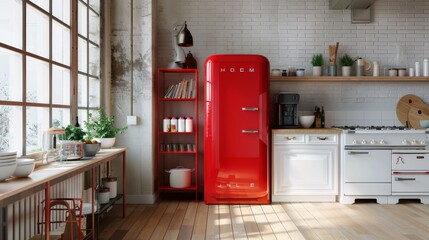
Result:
[{"x": 131, "y": 120}]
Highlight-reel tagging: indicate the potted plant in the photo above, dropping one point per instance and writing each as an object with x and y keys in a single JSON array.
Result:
[
  {"x": 73, "y": 133},
  {"x": 102, "y": 128},
  {"x": 346, "y": 62},
  {"x": 317, "y": 62}
]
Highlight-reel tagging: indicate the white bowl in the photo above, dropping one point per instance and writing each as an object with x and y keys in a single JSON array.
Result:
[
  {"x": 24, "y": 167},
  {"x": 424, "y": 123},
  {"x": 306, "y": 121},
  {"x": 6, "y": 171}
]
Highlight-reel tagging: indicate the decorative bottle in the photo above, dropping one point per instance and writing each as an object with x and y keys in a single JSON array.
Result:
[
  {"x": 322, "y": 118},
  {"x": 166, "y": 124}
]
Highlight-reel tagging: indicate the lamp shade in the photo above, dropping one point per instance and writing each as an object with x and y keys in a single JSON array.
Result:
[{"x": 184, "y": 39}]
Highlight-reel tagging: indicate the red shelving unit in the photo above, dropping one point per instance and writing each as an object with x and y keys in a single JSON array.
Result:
[{"x": 173, "y": 106}]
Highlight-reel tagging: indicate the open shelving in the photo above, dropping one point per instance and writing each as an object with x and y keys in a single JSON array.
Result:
[
  {"x": 170, "y": 106},
  {"x": 349, "y": 79}
]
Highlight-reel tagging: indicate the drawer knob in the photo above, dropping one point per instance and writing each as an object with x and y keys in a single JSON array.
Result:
[
  {"x": 322, "y": 138},
  {"x": 290, "y": 138}
]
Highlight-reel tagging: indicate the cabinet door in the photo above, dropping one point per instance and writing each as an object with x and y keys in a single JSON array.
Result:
[
  {"x": 362, "y": 166},
  {"x": 305, "y": 170}
]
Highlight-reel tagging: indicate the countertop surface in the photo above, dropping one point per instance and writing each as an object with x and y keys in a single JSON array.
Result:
[{"x": 307, "y": 131}]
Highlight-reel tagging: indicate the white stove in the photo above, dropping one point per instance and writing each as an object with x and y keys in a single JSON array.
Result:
[{"x": 384, "y": 163}]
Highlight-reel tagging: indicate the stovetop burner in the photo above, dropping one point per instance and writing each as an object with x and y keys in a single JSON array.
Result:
[{"x": 357, "y": 127}]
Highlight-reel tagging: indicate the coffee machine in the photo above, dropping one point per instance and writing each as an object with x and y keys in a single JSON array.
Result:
[{"x": 287, "y": 109}]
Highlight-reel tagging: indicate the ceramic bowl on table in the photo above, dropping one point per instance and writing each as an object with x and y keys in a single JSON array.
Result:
[
  {"x": 7, "y": 164},
  {"x": 90, "y": 149},
  {"x": 24, "y": 167},
  {"x": 306, "y": 121}
]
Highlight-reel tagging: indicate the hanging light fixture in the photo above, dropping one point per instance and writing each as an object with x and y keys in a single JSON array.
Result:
[{"x": 182, "y": 37}]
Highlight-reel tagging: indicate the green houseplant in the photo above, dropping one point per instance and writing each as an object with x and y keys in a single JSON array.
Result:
[
  {"x": 346, "y": 62},
  {"x": 73, "y": 133},
  {"x": 317, "y": 62},
  {"x": 102, "y": 128}
]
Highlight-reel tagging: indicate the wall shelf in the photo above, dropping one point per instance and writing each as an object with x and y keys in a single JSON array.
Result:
[{"x": 349, "y": 79}]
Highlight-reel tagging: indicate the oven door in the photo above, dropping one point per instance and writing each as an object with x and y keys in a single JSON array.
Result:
[
  {"x": 367, "y": 166},
  {"x": 410, "y": 182}
]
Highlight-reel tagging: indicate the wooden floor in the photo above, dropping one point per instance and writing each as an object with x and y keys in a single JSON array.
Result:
[{"x": 196, "y": 220}]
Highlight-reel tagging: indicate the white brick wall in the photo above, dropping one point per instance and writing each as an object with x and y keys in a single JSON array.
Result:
[{"x": 289, "y": 32}]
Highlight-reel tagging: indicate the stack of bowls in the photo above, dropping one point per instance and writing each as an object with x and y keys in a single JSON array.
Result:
[
  {"x": 24, "y": 167},
  {"x": 7, "y": 164}
]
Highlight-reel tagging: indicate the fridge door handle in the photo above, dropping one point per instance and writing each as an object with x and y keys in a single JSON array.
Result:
[
  {"x": 250, "y": 109},
  {"x": 249, "y": 131}
]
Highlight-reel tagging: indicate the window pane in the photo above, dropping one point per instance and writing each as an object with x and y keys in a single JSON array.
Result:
[
  {"x": 82, "y": 93},
  {"x": 37, "y": 121},
  {"x": 60, "y": 85},
  {"x": 60, "y": 117},
  {"x": 10, "y": 75},
  {"x": 83, "y": 116},
  {"x": 94, "y": 27},
  {"x": 42, "y": 3},
  {"x": 82, "y": 20},
  {"x": 37, "y": 32},
  {"x": 94, "y": 92},
  {"x": 11, "y": 129},
  {"x": 95, "y": 4},
  {"x": 61, "y": 10},
  {"x": 37, "y": 81},
  {"x": 94, "y": 60},
  {"x": 60, "y": 43},
  {"x": 83, "y": 55},
  {"x": 11, "y": 22}
]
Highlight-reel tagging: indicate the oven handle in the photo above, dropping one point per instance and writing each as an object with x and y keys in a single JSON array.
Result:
[
  {"x": 404, "y": 179},
  {"x": 356, "y": 153}
]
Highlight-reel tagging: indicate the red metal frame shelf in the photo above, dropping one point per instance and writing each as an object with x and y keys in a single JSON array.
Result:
[
  {"x": 168, "y": 107},
  {"x": 161, "y": 152},
  {"x": 178, "y": 99}
]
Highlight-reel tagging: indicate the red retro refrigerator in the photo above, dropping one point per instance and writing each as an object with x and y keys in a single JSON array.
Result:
[{"x": 236, "y": 130}]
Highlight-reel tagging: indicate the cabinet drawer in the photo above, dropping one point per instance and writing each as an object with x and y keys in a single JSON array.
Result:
[
  {"x": 322, "y": 138},
  {"x": 288, "y": 138}
]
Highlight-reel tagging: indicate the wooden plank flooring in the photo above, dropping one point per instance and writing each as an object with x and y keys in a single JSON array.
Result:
[{"x": 181, "y": 219}]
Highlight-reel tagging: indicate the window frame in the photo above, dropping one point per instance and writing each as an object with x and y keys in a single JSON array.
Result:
[{"x": 73, "y": 68}]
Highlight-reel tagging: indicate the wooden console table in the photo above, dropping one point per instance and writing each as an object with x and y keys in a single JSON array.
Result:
[{"x": 42, "y": 178}]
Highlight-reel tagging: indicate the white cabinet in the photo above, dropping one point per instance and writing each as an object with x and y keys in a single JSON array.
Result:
[{"x": 305, "y": 167}]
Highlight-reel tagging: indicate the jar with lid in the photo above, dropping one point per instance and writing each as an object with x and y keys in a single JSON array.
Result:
[
  {"x": 173, "y": 124},
  {"x": 393, "y": 72},
  {"x": 426, "y": 67},
  {"x": 189, "y": 124},
  {"x": 181, "y": 124},
  {"x": 402, "y": 72},
  {"x": 112, "y": 184},
  {"x": 376, "y": 70},
  {"x": 166, "y": 124},
  {"x": 300, "y": 72}
]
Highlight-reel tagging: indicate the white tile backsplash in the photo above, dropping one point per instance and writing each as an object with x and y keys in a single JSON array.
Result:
[{"x": 289, "y": 32}]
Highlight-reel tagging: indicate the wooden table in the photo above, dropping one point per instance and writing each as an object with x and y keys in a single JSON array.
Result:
[{"x": 14, "y": 189}]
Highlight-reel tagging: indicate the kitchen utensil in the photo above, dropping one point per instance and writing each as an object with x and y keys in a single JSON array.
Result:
[
  {"x": 180, "y": 177},
  {"x": 416, "y": 114},
  {"x": 333, "y": 49},
  {"x": 403, "y": 106}
]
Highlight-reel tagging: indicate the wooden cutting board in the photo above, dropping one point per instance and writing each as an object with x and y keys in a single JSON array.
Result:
[
  {"x": 403, "y": 107},
  {"x": 416, "y": 114}
]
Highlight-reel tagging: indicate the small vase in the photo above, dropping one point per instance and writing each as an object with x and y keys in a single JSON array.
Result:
[
  {"x": 317, "y": 71},
  {"x": 332, "y": 71},
  {"x": 346, "y": 71},
  {"x": 106, "y": 142}
]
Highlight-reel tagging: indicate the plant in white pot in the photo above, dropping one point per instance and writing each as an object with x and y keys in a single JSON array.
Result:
[
  {"x": 317, "y": 62},
  {"x": 102, "y": 128},
  {"x": 346, "y": 62}
]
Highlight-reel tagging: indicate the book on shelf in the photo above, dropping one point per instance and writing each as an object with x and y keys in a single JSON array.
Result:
[{"x": 184, "y": 89}]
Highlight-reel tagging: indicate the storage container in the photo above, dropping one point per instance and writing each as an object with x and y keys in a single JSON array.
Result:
[{"x": 112, "y": 184}]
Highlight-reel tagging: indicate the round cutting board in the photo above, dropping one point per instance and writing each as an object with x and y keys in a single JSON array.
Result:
[
  {"x": 403, "y": 107},
  {"x": 415, "y": 115}
]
